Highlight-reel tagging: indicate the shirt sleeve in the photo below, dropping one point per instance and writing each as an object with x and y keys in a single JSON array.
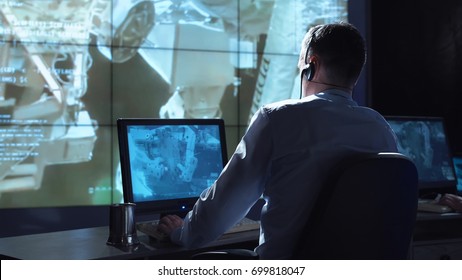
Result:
[{"x": 238, "y": 187}]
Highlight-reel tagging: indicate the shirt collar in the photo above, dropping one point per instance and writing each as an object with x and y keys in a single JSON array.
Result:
[{"x": 337, "y": 95}]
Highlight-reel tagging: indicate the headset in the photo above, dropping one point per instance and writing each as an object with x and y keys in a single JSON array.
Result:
[
  {"x": 309, "y": 68},
  {"x": 307, "y": 71}
]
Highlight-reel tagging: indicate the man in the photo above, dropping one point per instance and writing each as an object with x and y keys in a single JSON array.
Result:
[{"x": 290, "y": 148}]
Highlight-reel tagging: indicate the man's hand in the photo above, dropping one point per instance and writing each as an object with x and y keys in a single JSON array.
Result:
[
  {"x": 169, "y": 223},
  {"x": 452, "y": 200}
]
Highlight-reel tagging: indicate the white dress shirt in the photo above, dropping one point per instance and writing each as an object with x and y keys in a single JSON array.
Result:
[{"x": 284, "y": 157}]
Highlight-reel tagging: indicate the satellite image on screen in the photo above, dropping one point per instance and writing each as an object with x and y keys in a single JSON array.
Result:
[
  {"x": 70, "y": 68},
  {"x": 426, "y": 144},
  {"x": 170, "y": 162}
]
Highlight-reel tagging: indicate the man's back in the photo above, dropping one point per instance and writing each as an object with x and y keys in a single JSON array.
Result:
[{"x": 309, "y": 138}]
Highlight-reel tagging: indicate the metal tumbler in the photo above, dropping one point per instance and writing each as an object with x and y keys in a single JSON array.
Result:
[{"x": 122, "y": 227}]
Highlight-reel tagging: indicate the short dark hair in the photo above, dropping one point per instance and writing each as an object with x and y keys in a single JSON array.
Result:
[{"x": 340, "y": 47}]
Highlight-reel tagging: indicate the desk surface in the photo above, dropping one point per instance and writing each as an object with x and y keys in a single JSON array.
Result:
[
  {"x": 428, "y": 216},
  {"x": 90, "y": 243}
]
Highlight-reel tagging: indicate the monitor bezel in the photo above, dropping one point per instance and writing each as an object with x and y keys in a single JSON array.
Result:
[
  {"x": 167, "y": 206},
  {"x": 425, "y": 187}
]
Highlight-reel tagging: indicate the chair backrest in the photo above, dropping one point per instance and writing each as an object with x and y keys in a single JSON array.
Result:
[{"x": 367, "y": 210}]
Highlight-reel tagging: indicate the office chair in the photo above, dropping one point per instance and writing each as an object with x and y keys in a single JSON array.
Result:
[{"x": 366, "y": 210}]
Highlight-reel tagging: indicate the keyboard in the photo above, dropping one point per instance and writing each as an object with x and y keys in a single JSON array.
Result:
[
  {"x": 431, "y": 205},
  {"x": 150, "y": 228}
]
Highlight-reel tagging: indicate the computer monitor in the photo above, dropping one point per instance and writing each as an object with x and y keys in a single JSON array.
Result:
[
  {"x": 424, "y": 140},
  {"x": 457, "y": 159},
  {"x": 167, "y": 163}
]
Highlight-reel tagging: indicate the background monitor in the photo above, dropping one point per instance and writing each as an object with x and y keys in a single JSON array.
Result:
[
  {"x": 457, "y": 159},
  {"x": 424, "y": 140}
]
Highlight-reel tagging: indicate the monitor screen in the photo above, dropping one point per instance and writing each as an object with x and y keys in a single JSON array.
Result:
[
  {"x": 458, "y": 168},
  {"x": 167, "y": 163},
  {"x": 70, "y": 68},
  {"x": 424, "y": 140}
]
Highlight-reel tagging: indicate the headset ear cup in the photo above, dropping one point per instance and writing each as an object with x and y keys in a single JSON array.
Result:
[{"x": 309, "y": 71}]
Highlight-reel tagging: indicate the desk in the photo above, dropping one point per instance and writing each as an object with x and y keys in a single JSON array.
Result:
[
  {"x": 437, "y": 236},
  {"x": 90, "y": 243}
]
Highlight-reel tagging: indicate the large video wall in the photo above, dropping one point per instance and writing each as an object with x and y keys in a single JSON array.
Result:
[{"x": 70, "y": 68}]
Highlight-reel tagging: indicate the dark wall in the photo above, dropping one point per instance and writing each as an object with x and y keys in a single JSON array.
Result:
[{"x": 416, "y": 60}]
